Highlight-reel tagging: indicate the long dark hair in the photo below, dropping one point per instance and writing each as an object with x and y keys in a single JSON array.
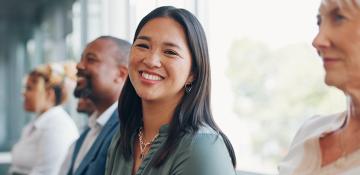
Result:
[{"x": 193, "y": 110}]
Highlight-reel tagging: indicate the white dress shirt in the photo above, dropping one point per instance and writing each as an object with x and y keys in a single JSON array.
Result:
[
  {"x": 43, "y": 143},
  {"x": 304, "y": 157},
  {"x": 95, "y": 124}
]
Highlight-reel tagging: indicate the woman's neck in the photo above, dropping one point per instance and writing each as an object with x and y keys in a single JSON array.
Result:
[
  {"x": 353, "y": 105},
  {"x": 155, "y": 115},
  {"x": 43, "y": 110}
]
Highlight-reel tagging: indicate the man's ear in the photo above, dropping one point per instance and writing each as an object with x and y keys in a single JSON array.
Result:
[{"x": 122, "y": 73}]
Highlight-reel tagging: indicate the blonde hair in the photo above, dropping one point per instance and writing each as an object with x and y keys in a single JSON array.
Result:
[
  {"x": 343, "y": 3},
  {"x": 57, "y": 77}
]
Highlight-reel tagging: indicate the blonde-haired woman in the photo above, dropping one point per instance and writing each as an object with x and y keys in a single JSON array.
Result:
[
  {"x": 45, "y": 140},
  {"x": 331, "y": 144}
]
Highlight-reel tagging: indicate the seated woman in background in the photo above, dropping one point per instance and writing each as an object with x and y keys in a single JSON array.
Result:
[
  {"x": 331, "y": 144},
  {"x": 44, "y": 141},
  {"x": 166, "y": 124}
]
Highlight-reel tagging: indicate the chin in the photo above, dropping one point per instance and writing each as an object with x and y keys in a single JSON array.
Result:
[
  {"x": 335, "y": 81},
  {"x": 146, "y": 96},
  {"x": 28, "y": 109}
]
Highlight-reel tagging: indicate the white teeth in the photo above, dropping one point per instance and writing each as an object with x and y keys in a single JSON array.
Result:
[
  {"x": 81, "y": 79},
  {"x": 150, "y": 77}
]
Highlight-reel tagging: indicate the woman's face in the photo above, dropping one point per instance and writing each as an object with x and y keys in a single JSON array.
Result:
[
  {"x": 338, "y": 43},
  {"x": 34, "y": 95},
  {"x": 160, "y": 61}
]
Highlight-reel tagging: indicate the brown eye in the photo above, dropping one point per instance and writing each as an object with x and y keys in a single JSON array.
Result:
[
  {"x": 90, "y": 59},
  {"x": 142, "y": 46},
  {"x": 171, "y": 52}
]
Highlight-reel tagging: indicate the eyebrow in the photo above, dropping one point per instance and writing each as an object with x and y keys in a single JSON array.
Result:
[
  {"x": 334, "y": 10},
  {"x": 143, "y": 38},
  {"x": 90, "y": 54},
  {"x": 170, "y": 44},
  {"x": 87, "y": 55}
]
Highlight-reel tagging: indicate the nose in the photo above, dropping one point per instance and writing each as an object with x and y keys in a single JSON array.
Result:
[
  {"x": 322, "y": 39},
  {"x": 152, "y": 60},
  {"x": 80, "y": 65},
  {"x": 24, "y": 93}
]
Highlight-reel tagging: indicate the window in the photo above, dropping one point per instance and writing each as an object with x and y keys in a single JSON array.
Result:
[{"x": 267, "y": 78}]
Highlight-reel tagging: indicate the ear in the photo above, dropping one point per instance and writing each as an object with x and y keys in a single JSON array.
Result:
[
  {"x": 50, "y": 93},
  {"x": 190, "y": 78},
  {"x": 122, "y": 74}
]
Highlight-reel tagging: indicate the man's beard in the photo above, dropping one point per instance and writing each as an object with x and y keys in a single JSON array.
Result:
[{"x": 85, "y": 91}]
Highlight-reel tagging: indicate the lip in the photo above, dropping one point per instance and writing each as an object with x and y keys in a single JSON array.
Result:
[
  {"x": 147, "y": 81},
  {"x": 329, "y": 61},
  {"x": 82, "y": 74},
  {"x": 81, "y": 81}
]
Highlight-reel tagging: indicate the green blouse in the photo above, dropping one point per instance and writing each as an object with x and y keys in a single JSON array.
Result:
[{"x": 203, "y": 153}]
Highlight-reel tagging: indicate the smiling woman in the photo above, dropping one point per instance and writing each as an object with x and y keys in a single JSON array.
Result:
[
  {"x": 161, "y": 64},
  {"x": 164, "y": 109}
]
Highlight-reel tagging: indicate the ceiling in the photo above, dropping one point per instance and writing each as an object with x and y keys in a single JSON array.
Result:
[
  {"x": 18, "y": 9},
  {"x": 18, "y": 17}
]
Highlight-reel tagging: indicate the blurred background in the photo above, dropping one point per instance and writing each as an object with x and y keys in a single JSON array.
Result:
[{"x": 266, "y": 77}]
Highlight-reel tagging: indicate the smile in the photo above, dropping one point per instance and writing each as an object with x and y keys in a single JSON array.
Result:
[
  {"x": 151, "y": 76},
  {"x": 81, "y": 79}
]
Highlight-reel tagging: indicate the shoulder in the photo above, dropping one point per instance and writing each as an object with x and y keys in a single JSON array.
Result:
[
  {"x": 311, "y": 129},
  {"x": 111, "y": 127},
  {"x": 206, "y": 137},
  {"x": 205, "y": 152},
  {"x": 57, "y": 120},
  {"x": 316, "y": 125},
  {"x": 206, "y": 140},
  {"x": 113, "y": 120},
  {"x": 57, "y": 114}
]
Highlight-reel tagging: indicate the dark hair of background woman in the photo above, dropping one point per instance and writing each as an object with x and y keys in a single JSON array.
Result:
[{"x": 193, "y": 110}]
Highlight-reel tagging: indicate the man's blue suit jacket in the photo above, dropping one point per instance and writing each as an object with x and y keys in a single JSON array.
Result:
[{"x": 95, "y": 160}]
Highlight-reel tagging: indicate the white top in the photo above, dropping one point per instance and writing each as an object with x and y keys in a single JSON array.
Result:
[
  {"x": 43, "y": 143},
  {"x": 304, "y": 157},
  {"x": 65, "y": 166},
  {"x": 95, "y": 124}
]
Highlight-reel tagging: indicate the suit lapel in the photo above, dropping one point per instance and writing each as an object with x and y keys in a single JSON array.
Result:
[
  {"x": 105, "y": 132},
  {"x": 78, "y": 144}
]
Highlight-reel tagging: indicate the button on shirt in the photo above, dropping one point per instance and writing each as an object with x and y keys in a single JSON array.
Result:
[
  {"x": 95, "y": 124},
  {"x": 43, "y": 143}
]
